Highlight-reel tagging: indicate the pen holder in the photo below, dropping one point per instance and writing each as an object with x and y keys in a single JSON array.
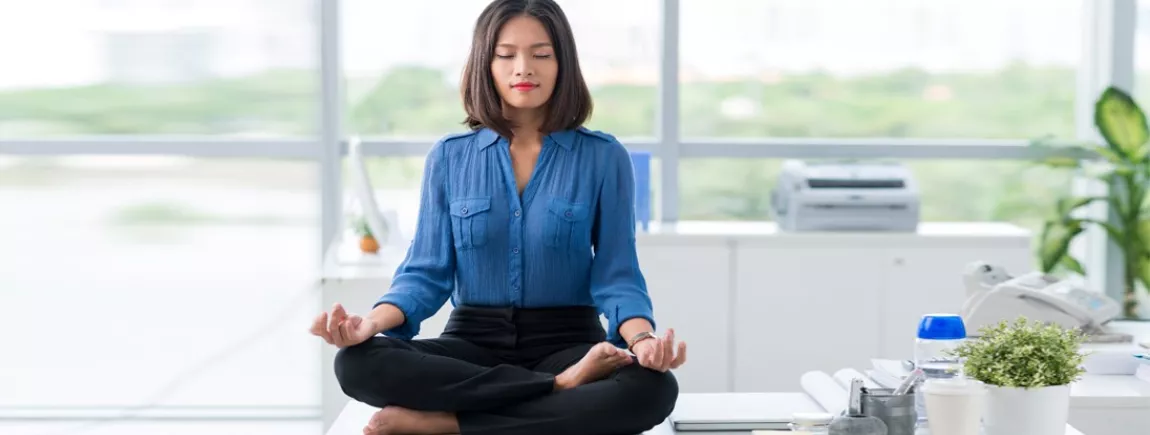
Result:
[{"x": 896, "y": 411}]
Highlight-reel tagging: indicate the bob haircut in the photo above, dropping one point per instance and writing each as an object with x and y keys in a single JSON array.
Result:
[{"x": 569, "y": 105}]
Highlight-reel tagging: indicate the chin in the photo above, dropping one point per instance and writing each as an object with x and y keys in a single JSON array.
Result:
[{"x": 525, "y": 103}]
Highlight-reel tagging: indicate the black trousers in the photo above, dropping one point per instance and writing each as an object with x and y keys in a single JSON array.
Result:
[{"x": 495, "y": 369}]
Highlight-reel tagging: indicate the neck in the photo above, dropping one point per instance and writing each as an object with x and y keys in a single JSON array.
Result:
[{"x": 527, "y": 124}]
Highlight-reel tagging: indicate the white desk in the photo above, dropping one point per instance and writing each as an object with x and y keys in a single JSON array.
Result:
[
  {"x": 1113, "y": 404},
  {"x": 1110, "y": 404},
  {"x": 667, "y": 429},
  {"x": 355, "y": 415}
]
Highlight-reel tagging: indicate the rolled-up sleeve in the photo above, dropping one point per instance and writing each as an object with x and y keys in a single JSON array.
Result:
[
  {"x": 617, "y": 285},
  {"x": 426, "y": 277}
]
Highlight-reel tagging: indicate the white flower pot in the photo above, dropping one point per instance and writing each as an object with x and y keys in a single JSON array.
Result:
[{"x": 1018, "y": 411}]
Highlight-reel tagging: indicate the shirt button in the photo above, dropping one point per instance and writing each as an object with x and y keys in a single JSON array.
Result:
[
  {"x": 464, "y": 210},
  {"x": 516, "y": 250},
  {"x": 567, "y": 213},
  {"x": 516, "y": 213}
]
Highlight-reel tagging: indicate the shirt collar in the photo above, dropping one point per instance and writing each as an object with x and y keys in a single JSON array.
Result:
[{"x": 565, "y": 138}]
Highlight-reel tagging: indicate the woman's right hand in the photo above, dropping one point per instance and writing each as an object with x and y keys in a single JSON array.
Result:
[{"x": 342, "y": 329}]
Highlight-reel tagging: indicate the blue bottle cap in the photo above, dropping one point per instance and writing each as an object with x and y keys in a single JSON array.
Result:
[{"x": 941, "y": 327}]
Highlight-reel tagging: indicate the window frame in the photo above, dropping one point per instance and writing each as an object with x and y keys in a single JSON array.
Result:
[{"x": 1108, "y": 59}]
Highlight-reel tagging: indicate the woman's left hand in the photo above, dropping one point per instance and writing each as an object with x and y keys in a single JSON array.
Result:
[{"x": 659, "y": 353}]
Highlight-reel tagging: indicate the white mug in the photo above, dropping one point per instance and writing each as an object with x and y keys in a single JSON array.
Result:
[{"x": 954, "y": 406}]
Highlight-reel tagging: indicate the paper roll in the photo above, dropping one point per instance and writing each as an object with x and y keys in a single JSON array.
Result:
[
  {"x": 825, "y": 391},
  {"x": 844, "y": 376}
]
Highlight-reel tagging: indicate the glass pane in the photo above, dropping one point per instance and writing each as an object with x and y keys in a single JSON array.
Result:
[
  {"x": 163, "y": 281},
  {"x": 403, "y": 74},
  {"x": 396, "y": 182},
  {"x": 887, "y": 68},
  {"x": 1006, "y": 191},
  {"x": 1142, "y": 55},
  {"x": 245, "y": 68}
]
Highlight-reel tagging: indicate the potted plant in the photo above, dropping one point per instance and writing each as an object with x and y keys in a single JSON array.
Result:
[
  {"x": 1123, "y": 163},
  {"x": 1028, "y": 368},
  {"x": 367, "y": 241}
]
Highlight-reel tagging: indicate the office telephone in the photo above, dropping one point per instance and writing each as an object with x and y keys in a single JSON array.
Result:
[{"x": 995, "y": 295}]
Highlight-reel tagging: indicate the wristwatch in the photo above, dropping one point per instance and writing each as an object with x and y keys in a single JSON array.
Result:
[{"x": 637, "y": 338}]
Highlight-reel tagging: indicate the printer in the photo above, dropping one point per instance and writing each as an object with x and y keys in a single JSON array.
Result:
[{"x": 845, "y": 196}]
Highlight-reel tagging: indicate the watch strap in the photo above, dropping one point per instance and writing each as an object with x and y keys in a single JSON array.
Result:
[{"x": 639, "y": 337}]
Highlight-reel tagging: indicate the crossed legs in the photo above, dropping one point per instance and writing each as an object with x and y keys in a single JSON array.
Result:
[{"x": 449, "y": 385}]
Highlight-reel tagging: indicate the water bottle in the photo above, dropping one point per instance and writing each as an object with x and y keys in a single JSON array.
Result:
[{"x": 938, "y": 336}]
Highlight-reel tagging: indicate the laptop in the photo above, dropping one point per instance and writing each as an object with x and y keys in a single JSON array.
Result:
[{"x": 704, "y": 412}]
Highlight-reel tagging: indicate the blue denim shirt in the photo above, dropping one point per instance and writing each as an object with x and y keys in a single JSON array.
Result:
[{"x": 568, "y": 240}]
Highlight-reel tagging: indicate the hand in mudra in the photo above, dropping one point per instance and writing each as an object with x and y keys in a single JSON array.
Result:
[
  {"x": 342, "y": 329},
  {"x": 659, "y": 353}
]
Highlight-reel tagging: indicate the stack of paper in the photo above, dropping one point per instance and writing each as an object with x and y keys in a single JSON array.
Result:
[
  {"x": 888, "y": 372},
  {"x": 845, "y": 376},
  {"x": 825, "y": 391},
  {"x": 833, "y": 392}
]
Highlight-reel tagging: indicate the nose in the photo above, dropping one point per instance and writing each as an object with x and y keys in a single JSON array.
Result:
[{"x": 523, "y": 67}]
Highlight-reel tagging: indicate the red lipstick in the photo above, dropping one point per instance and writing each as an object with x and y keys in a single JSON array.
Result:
[{"x": 524, "y": 86}]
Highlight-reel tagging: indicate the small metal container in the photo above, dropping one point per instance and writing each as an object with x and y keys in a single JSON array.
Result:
[{"x": 896, "y": 411}]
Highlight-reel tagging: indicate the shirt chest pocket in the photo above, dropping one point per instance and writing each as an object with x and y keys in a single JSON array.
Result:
[
  {"x": 568, "y": 225},
  {"x": 469, "y": 218}
]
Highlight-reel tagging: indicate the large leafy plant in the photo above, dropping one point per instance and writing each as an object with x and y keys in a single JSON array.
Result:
[
  {"x": 1024, "y": 354},
  {"x": 1123, "y": 164}
]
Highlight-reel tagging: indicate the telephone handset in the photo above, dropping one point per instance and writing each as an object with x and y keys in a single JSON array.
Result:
[{"x": 995, "y": 295}]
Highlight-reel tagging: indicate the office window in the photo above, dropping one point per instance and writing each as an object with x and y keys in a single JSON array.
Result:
[
  {"x": 240, "y": 68},
  {"x": 403, "y": 62},
  {"x": 886, "y": 68},
  {"x": 951, "y": 190},
  {"x": 396, "y": 182},
  {"x": 403, "y": 74},
  {"x": 136, "y": 271}
]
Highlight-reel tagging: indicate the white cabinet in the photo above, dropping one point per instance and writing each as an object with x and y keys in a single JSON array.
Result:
[
  {"x": 689, "y": 283},
  {"x": 827, "y": 301},
  {"x": 799, "y": 309}
]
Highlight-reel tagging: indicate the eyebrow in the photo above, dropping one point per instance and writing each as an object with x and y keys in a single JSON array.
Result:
[{"x": 535, "y": 45}]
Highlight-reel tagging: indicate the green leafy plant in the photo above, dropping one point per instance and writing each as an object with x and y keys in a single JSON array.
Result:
[
  {"x": 1024, "y": 354},
  {"x": 362, "y": 228},
  {"x": 1123, "y": 163}
]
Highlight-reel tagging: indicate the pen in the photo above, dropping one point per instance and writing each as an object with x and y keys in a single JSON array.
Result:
[{"x": 1142, "y": 356}]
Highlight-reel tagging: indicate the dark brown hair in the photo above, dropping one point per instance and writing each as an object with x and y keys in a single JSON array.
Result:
[{"x": 569, "y": 105}]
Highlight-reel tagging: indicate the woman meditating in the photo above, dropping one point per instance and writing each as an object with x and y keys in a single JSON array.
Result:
[{"x": 527, "y": 222}]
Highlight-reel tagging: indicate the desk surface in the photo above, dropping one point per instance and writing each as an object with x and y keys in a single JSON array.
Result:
[
  {"x": 1115, "y": 391},
  {"x": 763, "y": 228},
  {"x": 667, "y": 429},
  {"x": 356, "y": 414}
]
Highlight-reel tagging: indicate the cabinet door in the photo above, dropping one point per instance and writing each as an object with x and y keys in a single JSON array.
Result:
[
  {"x": 929, "y": 279},
  {"x": 690, "y": 286},
  {"x": 799, "y": 309}
]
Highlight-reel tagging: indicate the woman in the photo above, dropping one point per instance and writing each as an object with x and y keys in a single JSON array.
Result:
[{"x": 527, "y": 222}]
